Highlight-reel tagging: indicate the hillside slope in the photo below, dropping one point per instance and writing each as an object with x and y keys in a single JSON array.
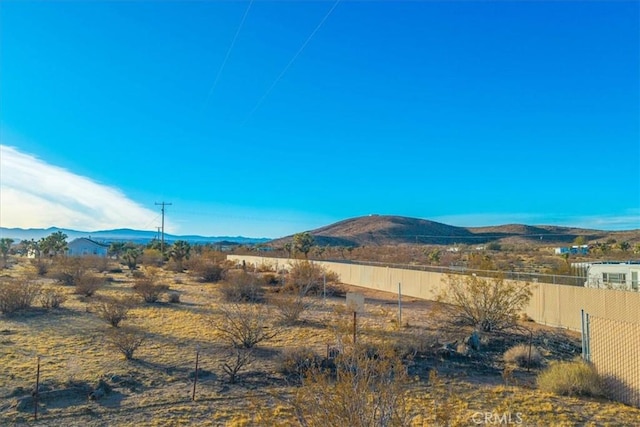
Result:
[{"x": 394, "y": 230}]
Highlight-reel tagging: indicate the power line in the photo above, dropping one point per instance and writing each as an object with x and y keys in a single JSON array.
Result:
[
  {"x": 286, "y": 68},
  {"x": 163, "y": 204},
  {"x": 224, "y": 62}
]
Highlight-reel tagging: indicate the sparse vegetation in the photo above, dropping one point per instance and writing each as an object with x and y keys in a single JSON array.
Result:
[
  {"x": 242, "y": 286},
  {"x": 236, "y": 360},
  {"x": 148, "y": 288},
  {"x": 17, "y": 295},
  {"x": 88, "y": 284},
  {"x": 125, "y": 340},
  {"x": 523, "y": 356},
  {"x": 365, "y": 392},
  {"x": 285, "y": 376},
  {"x": 52, "y": 298},
  {"x": 573, "y": 378},
  {"x": 489, "y": 304},
  {"x": 244, "y": 326},
  {"x": 112, "y": 310}
]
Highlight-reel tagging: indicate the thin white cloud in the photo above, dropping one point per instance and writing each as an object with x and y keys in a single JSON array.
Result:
[{"x": 35, "y": 194}]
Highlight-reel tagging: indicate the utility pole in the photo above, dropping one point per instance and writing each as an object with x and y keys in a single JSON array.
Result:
[{"x": 163, "y": 204}]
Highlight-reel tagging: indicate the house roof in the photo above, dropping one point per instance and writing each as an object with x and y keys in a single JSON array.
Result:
[{"x": 104, "y": 245}]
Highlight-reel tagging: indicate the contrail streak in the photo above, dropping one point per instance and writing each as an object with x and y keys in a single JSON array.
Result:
[{"x": 286, "y": 68}]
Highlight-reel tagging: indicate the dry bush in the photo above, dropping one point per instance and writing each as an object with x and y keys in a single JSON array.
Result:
[
  {"x": 125, "y": 340},
  {"x": 289, "y": 307},
  {"x": 297, "y": 362},
  {"x": 305, "y": 277},
  {"x": 519, "y": 355},
  {"x": 486, "y": 303},
  {"x": 113, "y": 310},
  {"x": 69, "y": 270},
  {"x": 574, "y": 378},
  {"x": 16, "y": 295},
  {"x": 152, "y": 257},
  {"x": 242, "y": 286},
  {"x": 97, "y": 263},
  {"x": 365, "y": 392},
  {"x": 236, "y": 360},
  {"x": 88, "y": 284},
  {"x": 206, "y": 270},
  {"x": 245, "y": 326},
  {"x": 173, "y": 297},
  {"x": 41, "y": 266},
  {"x": 265, "y": 268},
  {"x": 148, "y": 289},
  {"x": 52, "y": 298}
]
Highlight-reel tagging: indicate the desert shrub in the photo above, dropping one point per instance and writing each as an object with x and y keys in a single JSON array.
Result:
[
  {"x": 88, "y": 284},
  {"x": 365, "y": 392},
  {"x": 152, "y": 257},
  {"x": 305, "y": 277},
  {"x": 242, "y": 286},
  {"x": 69, "y": 270},
  {"x": 244, "y": 326},
  {"x": 270, "y": 279},
  {"x": 16, "y": 295},
  {"x": 486, "y": 303},
  {"x": 234, "y": 361},
  {"x": 298, "y": 362},
  {"x": 206, "y": 269},
  {"x": 148, "y": 289},
  {"x": 265, "y": 267},
  {"x": 289, "y": 307},
  {"x": 125, "y": 340},
  {"x": 97, "y": 263},
  {"x": 41, "y": 266},
  {"x": 574, "y": 378},
  {"x": 112, "y": 310},
  {"x": 52, "y": 298},
  {"x": 173, "y": 297},
  {"x": 519, "y": 355}
]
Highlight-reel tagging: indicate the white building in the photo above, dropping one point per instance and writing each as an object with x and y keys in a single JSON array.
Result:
[
  {"x": 84, "y": 246},
  {"x": 614, "y": 275}
]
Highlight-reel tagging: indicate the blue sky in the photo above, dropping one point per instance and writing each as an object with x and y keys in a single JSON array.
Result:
[{"x": 268, "y": 118}]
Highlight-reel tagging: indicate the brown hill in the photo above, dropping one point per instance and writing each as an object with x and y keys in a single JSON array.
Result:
[{"x": 394, "y": 230}]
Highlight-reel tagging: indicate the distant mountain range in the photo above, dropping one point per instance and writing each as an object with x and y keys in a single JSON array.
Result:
[
  {"x": 122, "y": 234},
  {"x": 394, "y": 230},
  {"x": 369, "y": 230}
]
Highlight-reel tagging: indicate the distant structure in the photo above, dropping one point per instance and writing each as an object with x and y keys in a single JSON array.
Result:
[
  {"x": 614, "y": 275},
  {"x": 573, "y": 250},
  {"x": 84, "y": 246}
]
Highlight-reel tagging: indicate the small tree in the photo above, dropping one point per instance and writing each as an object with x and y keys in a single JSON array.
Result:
[
  {"x": 180, "y": 250},
  {"x": 487, "y": 303},
  {"x": 116, "y": 249},
  {"x": 131, "y": 256},
  {"x": 54, "y": 244},
  {"x": 303, "y": 242},
  {"x": 5, "y": 247}
]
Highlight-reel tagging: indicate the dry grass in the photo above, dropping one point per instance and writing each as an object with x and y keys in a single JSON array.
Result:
[
  {"x": 574, "y": 378},
  {"x": 155, "y": 388}
]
